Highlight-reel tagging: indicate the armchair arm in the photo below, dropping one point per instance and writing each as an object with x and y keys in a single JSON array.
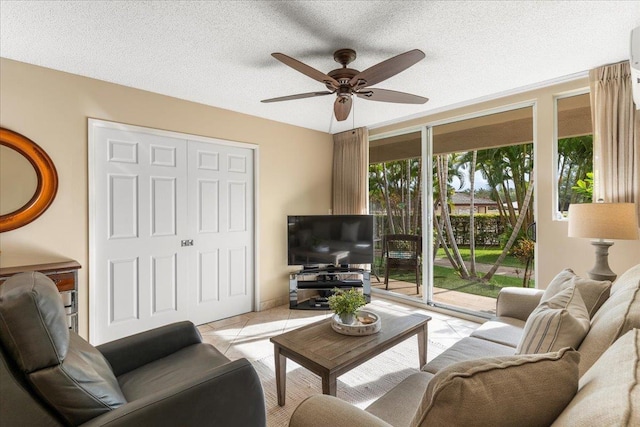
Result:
[
  {"x": 229, "y": 395},
  {"x": 517, "y": 302},
  {"x": 321, "y": 410},
  {"x": 129, "y": 353}
]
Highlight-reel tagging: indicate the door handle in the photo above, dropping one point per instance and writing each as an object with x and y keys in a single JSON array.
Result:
[{"x": 186, "y": 242}]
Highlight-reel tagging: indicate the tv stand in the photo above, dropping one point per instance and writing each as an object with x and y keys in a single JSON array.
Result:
[{"x": 310, "y": 288}]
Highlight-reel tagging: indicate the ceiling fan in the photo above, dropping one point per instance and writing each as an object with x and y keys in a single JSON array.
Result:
[{"x": 346, "y": 82}]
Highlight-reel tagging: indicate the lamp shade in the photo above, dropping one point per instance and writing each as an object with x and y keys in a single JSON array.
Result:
[{"x": 603, "y": 221}]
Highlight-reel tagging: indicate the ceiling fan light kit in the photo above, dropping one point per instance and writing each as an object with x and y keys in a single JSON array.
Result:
[{"x": 345, "y": 82}]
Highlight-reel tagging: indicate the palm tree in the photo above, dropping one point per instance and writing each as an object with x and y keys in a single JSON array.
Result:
[
  {"x": 490, "y": 167},
  {"x": 385, "y": 182},
  {"x": 515, "y": 231},
  {"x": 507, "y": 171},
  {"x": 442, "y": 169},
  {"x": 417, "y": 205},
  {"x": 440, "y": 240},
  {"x": 504, "y": 168},
  {"x": 395, "y": 187},
  {"x": 575, "y": 159},
  {"x": 472, "y": 225}
]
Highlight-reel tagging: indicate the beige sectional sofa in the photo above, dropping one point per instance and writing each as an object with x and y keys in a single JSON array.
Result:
[{"x": 494, "y": 378}]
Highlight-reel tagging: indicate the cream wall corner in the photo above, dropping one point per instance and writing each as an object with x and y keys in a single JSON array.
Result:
[{"x": 51, "y": 108}]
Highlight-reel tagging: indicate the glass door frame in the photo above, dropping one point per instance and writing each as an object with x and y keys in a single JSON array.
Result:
[
  {"x": 426, "y": 220},
  {"x": 427, "y": 197}
]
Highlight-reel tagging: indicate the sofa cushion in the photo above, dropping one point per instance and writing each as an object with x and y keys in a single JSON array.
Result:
[
  {"x": 503, "y": 330},
  {"x": 628, "y": 280},
  {"x": 561, "y": 321},
  {"x": 593, "y": 292},
  {"x": 467, "y": 349},
  {"x": 398, "y": 406},
  {"x": 517, "y": 303},
  {"x": 618, "y": 315},
  {"x": 321, "y": 410},
  {"x": 608, "y": 393},
  {"x": 527, "y": 390},
  {"x": 187, "y": 364}
]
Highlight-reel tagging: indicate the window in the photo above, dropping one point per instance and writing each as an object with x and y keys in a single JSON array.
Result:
[{"x": 574, "y": 144}]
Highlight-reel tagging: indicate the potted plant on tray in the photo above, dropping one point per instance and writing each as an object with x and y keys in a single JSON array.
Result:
[{"x": 345, "y": 303}]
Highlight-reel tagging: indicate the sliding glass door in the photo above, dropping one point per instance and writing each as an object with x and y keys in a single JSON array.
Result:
[
  {"x": 482, "y": 209},
  {"x": 396, "y": 199},
  {"x": 466, "y": 188}
]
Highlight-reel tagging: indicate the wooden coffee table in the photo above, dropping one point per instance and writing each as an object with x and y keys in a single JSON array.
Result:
[{"x": 329, "y": 354}]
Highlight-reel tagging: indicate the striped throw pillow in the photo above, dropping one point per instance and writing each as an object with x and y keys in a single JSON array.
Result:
[{"x": 561, "y": 321}]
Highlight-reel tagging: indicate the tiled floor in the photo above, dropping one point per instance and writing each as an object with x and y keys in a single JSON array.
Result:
[{"x": 248, "y": 335}]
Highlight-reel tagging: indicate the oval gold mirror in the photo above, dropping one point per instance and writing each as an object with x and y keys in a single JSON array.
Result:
[{"x": 27, "y": 174}]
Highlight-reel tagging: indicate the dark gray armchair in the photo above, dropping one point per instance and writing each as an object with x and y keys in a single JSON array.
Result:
[{"x": 50, "y": 376}]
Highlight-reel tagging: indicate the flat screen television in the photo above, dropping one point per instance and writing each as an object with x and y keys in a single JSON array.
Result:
[{"x": 339, "y": 240}]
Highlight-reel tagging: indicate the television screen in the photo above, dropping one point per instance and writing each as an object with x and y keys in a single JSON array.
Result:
[{"x": 329, "y": 239}]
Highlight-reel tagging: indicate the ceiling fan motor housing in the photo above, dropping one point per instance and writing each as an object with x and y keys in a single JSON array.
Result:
[{"x": 343, "y": 75}]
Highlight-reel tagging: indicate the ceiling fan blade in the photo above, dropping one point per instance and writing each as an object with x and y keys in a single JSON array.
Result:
[
  {"x": 306, "y": 70},
  {"x": 342, "y": 107},
  {"x": 384, "y": 95},
  {"x": 386, "y": 69},
  {"x": 298, "y": 96}
]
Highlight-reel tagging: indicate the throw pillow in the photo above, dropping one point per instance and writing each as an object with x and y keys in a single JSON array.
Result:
[
  {"x": 562, "y": 321},
  {"x": 529, "y": 390},
  {"x": 594, "y": 292}
]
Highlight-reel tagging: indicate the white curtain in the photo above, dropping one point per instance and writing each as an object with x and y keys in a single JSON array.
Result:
[
  {"x": 616, "y": 135},
  {"x": 351, "y": 172}
]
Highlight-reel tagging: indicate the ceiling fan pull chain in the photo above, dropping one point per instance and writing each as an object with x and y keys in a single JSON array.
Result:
[
  {"x": 353, "y": 117},
  {"x": 331, "y": 122}
]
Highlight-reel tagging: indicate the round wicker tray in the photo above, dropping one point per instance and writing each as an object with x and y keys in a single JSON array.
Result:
[{"x": 358, "y": 328}]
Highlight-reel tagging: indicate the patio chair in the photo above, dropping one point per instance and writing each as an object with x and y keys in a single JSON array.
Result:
[{"x": 402, "y": 252}]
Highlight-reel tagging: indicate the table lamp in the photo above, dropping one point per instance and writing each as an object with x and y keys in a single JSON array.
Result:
[{"x": 603, "y": 221}]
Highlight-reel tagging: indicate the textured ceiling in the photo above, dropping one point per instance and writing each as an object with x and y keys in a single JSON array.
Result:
[{"x": 218, "y": 52}]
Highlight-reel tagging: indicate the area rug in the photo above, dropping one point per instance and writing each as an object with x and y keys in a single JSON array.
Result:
[{"x": 360, "y": 386}]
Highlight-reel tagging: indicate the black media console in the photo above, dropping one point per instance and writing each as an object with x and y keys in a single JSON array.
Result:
[{"x": 310, "y": 288}]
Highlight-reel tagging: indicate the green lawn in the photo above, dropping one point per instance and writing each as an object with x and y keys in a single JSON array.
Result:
[
  {"x": 486, "y": 256},
  {"x": 447, "y": 278}
]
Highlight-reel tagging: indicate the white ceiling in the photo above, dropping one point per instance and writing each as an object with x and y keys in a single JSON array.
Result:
[{"x": 218, "y": 52}]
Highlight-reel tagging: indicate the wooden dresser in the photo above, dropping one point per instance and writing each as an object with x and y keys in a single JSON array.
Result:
[{"x": 64, "y": 274}]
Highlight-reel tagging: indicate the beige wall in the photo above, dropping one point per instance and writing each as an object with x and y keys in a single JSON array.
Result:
[
  {"x": 554, "y": 250},
  {"x": 51, "y": 108}
]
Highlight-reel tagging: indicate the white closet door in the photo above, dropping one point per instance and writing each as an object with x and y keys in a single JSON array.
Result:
[
  {"x": 221, "y": 223},
  {"x": 140, "y": 191},
  {"x": 171, "y": 230}
]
